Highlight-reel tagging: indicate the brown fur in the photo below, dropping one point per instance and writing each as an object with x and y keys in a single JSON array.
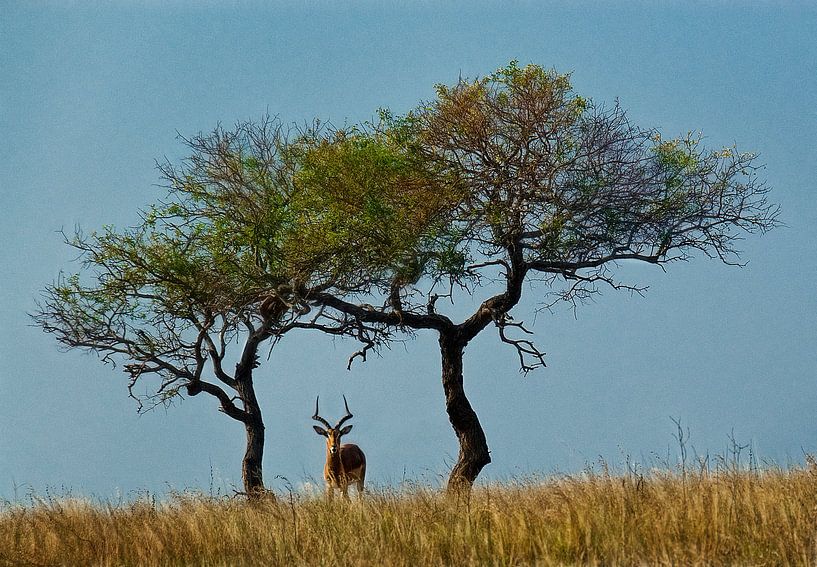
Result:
[
  {"x": 345, "y": 463},
  {"x": 343, "y": 468}
]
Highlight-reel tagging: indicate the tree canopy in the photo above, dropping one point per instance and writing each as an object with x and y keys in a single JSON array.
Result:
[{"x": 559, "y": 185}]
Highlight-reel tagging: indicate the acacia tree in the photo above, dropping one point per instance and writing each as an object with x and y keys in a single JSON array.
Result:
[
  {"x": 552, "y": 189},
  {"x": 208, "y": 276},
  {"x": 169, "y": 296}
]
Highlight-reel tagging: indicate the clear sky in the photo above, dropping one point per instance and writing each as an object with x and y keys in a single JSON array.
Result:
[{"x": 92, "y": 93}]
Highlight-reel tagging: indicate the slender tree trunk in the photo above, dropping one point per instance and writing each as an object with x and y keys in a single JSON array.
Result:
[
  {"x": 473, "y": 455},
  {"x": 251, "y": 470},
  {"x": 252, "y": 465}
]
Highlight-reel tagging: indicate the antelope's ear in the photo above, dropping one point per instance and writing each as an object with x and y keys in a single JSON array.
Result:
[
  {"x": 320, "y": 430},
  {"x": 346, "y": 430}
]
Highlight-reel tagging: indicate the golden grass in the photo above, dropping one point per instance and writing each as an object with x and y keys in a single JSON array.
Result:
[{"x": 728, "y": 517}]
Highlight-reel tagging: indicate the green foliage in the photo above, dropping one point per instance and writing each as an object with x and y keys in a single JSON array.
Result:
[
  {"x": 678, "y": 155},
  {"x": 370, "y": 202},
  {"x": 577, "y": 184},
  {"x": 505, "y": 135},
  {"x": 348, "y": 211},
  {"x": 205, "y": 254},
  {"x": 508, "y": 93}
]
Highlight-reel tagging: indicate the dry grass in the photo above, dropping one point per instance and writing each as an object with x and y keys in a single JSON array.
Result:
[{"x": 725, "y": 517}]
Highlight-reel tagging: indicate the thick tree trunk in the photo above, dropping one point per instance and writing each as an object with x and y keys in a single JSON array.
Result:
[{"x": 473, "y": 455}]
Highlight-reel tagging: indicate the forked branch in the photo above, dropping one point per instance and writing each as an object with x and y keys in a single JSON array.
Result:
[{"x": 530, "y": 357}]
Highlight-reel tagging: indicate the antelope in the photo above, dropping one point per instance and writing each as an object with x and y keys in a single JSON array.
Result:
[{"x": 344, "y": 463}]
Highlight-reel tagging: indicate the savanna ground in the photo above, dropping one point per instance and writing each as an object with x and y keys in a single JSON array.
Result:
[{"x": 718, "y": 515}]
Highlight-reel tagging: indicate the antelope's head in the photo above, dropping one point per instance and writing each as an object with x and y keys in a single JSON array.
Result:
[{"x": 332, "y": 434}]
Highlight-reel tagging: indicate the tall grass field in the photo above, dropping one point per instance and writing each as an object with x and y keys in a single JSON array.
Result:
[{"x": 677, "y": 517}]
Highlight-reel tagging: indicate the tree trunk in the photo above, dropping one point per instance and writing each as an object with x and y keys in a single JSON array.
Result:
[
  {"x": 474, "y": 454},
  {"x": 252, "y": 465}
]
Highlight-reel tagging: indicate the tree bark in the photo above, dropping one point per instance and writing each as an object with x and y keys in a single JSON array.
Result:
[
  {"x": 474, "y": 454},
  {"x": 252, "y": 465}
]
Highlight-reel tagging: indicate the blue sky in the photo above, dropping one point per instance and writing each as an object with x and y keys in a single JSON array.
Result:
[{"x": 93, "y": 93}]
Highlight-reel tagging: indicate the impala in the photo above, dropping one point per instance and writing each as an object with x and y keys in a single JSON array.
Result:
[{"x": 344, "y": 463}]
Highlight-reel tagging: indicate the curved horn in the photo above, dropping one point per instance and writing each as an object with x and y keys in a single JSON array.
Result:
[
  {"x": 345, "y": 417},
  {"x": 316, "y": 417}
]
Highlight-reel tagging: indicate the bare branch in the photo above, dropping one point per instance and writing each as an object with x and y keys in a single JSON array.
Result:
[
  {"x": 227, "y": 405},
  {"x": 530, "y": 357}
]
